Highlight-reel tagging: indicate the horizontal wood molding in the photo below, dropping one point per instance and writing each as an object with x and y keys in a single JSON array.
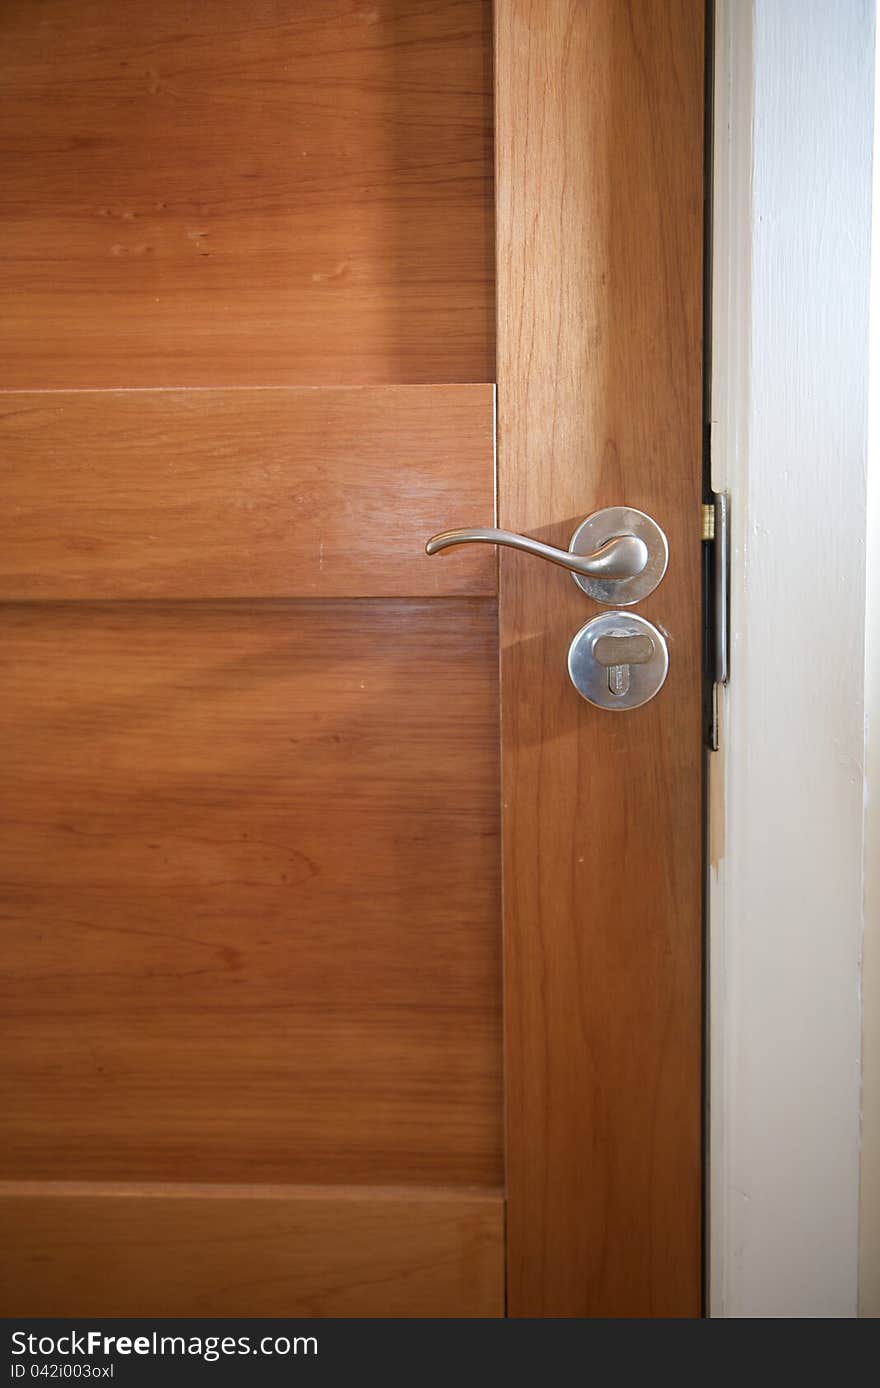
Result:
[
  {"x": 142, "y": 1250},
  {"x": 244, "y": 493},
  {"x": 251, "y": 892},
  {"x": 287, "y": 195}
]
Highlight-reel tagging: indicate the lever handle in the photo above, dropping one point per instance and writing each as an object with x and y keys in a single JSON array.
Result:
[
  {"x": 622, "y": 556},
  {"x": 617, "y": 556}
]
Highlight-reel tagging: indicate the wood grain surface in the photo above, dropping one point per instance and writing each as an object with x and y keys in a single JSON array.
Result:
[
  {"x": 599, "y": 164},
  {"x": 261, "y": 194},
  {"x": 251, "y": 1251},
  {"x": 244, "y": 493},
  {"x": 250, "y": 857},
  {"x": 250, "y": 870}
]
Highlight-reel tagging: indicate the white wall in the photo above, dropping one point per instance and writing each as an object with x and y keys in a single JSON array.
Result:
[
  {"x": 792, "y": 202},
  {"x": 869, "y": 1266}
]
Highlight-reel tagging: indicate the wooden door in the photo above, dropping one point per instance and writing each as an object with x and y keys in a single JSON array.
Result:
[{"x": 259, "y": 766}]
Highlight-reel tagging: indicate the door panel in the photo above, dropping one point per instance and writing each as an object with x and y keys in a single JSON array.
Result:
[
  {"x": 226, "y": 956},
  {"x": 259, "y": 816},
  {"x": 243, "y": 493},
  {"x": 250, "y": 863},
  {"x": 245, "y": 194},
  {"x": 252, "y": 1251}
]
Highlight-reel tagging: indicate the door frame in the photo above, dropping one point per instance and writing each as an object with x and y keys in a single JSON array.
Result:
[{"x": 793, "y": 130}]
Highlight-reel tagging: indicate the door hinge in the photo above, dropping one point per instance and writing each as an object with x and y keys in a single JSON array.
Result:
[{"x": 715, "y": 533}]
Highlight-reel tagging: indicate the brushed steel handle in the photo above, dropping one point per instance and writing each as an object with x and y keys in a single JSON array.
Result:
[{"x": 621, "y": 556}]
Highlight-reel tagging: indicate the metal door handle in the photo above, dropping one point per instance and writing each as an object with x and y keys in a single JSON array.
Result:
[
  {"x": 617, "y": 556},
  {"x": 623, "y": 556}
]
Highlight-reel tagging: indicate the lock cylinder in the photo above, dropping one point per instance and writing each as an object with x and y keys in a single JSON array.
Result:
[{"x": 618, "y": 661}]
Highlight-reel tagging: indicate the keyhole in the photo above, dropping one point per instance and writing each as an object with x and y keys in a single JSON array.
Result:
[
  {"x": 617, "y": 654},
  {"x": 618, "y": 679}
]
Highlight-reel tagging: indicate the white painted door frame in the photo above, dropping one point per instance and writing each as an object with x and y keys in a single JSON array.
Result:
[{"x": 794, "y": 101}]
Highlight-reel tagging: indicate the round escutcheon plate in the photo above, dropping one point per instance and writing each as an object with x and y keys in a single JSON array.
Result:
[
  {"x": 618, "y": 661},
  {"x": 602, "y": 526}
]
